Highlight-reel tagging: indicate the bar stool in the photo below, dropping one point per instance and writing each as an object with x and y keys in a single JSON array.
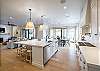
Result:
[
  {"x": 19, "y": 51},
  {"x": 23, "y": 52},
  {"x": 29, "y": 54}
]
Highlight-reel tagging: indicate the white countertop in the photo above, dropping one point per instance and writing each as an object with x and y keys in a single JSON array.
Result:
[
  {"x": 34, "y": 43},
  {"x": 91, "y": 54}
]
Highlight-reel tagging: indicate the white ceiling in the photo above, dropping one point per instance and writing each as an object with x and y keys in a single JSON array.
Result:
[{"x": 17, "y": 11}]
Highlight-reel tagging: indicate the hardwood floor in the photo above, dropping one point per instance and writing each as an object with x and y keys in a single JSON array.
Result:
[{"x": 64, "y": 60}]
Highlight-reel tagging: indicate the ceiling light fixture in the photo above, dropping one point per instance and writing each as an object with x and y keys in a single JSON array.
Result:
[
  {"x": 65, "y": 7},
  {"x": 29, "y": 24},
  {"x": 10, "y": 17}
]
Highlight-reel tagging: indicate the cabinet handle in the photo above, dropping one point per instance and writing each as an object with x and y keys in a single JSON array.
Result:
[
  {"x": 80, "y": 68},
  {"x": 80, "y": 52},
  {"x": 80, "y": 59},
  {"x": 84, "y": 67},
  {"x": 84, "y": 62}
]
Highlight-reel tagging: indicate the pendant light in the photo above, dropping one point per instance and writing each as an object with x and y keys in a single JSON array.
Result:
[{"x": 29, "y": 24}]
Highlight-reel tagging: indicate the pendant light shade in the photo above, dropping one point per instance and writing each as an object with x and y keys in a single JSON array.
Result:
[{"x": 29, "y": 24}]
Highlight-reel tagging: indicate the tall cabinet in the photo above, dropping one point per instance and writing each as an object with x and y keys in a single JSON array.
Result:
[
  {"x": 94, "y": 16},
  {"x": 98, "y": 3}
]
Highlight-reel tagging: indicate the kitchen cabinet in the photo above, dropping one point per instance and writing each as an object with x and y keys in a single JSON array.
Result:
[
  {"x": 49, "y": 51},
  {"x": 91, "y": 18},
  {"x": 81, "y": 59},
  {"x": 98, "y": 15},
  {"x": 92, "y": 67},
  {"x": 94, "y": 17},
  {"x": 46, "y": 54},
  {"x": 89, "y": 57}
]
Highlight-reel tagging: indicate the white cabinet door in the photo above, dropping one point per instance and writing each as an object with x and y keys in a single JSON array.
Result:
[
  {"x": 94, "y": 23},
  {"x": 49, "y": 52},
  {"x": 46, "y": 54}
]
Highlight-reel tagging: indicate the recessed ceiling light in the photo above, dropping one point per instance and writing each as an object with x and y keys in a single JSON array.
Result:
[
  {"x": 65, "y": 7},
  {"x": 11, "y": 17}
]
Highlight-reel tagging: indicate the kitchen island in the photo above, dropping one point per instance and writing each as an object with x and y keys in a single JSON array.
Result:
[
  {"x": 89, "y": 57},
  {"x": 42, "y": 51}
]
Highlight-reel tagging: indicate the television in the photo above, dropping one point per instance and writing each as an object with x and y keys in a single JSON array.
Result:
[{"x": 2, "y": 30}]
